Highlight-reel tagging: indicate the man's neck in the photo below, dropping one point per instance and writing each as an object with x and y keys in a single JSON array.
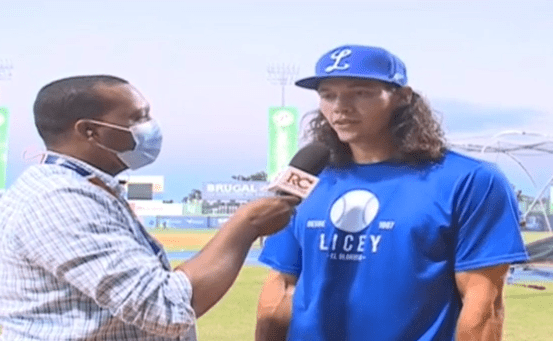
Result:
[
  {"x": 366, "y": 153},
  {"x": 102, "y": 163}
]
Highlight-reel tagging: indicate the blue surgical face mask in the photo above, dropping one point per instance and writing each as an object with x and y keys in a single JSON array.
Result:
[{"x": 147, "y": 137}]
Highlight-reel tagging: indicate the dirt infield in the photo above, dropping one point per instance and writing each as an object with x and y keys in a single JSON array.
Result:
[{"x": 187, "y": 241}]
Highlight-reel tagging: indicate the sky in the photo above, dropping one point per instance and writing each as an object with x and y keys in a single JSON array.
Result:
[{"x": 485, "y": 67}]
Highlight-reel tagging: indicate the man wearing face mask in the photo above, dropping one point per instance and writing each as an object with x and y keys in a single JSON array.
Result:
[{"x": 75, "y": 263}]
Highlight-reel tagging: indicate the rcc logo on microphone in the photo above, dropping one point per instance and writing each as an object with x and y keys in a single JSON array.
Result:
[{"x": 296, "y": 182}]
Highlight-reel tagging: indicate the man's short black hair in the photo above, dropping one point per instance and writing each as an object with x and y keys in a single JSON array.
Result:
[{"x": 63, "y": 102}]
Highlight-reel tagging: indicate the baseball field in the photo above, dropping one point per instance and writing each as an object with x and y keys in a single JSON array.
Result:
[
  {"x": 528, "y": 311},
  {"x": 527, "y": 316}
]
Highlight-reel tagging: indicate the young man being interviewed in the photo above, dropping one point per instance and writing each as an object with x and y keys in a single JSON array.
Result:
[{"x": 401, "y": 239}]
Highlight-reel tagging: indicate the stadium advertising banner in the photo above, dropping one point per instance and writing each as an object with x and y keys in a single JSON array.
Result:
[
  {"x": 4, "y": 117},
  {"x": 234, "y": 190},
  {"x": 182, "y": 222},
  {"x": 175, "y": 222},
  {"x": 217, "y": 221},
  {"x": 283, "y": 138}
]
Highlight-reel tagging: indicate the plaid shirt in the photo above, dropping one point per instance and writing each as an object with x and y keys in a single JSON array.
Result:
[{"x": 75, "y": 263}]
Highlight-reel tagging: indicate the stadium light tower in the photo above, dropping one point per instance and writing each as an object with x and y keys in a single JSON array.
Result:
[{"x": 282, "y": 75}]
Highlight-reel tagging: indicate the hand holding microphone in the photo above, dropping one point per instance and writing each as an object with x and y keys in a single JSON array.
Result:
[{"x": 213, "y": 270}]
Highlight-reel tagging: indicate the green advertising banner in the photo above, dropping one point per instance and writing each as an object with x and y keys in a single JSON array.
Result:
[
  {"x": 283, "y": 138},
  {"x": 4, "y": 116}
]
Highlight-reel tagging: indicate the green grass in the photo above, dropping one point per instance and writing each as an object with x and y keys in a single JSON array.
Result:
[
  {"x": 527, "y": 317},
  {"x": 233, "y": 318},
  {"x": 528, "y": 313}
]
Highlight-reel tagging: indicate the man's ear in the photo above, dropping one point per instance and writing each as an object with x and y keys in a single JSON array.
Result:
[
  {"x": 85, "y": 129},
  {"x": 404, "y": 96}
]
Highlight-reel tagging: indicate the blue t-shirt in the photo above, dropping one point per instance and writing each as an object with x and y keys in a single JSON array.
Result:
[{"x": 376, "y": 247}]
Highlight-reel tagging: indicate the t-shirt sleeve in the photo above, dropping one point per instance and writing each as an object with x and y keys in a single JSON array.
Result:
[
  {"x": 282, "y": 252},
  {"x": 487, "y": 219}
]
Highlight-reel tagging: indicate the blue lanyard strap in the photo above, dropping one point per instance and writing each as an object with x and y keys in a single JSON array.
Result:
[{"x": 56, "y": 160}]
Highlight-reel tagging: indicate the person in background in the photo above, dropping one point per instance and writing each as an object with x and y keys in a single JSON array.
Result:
[
  {"x": 402, "y": 239},
  {"x": 75, "y": 262}
]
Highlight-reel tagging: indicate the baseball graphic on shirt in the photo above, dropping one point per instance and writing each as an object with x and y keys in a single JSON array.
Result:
[{"x": 354, "y": 211}]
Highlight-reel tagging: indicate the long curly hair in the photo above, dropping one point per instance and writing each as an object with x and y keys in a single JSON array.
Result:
[{"x": 417, "y": 134}]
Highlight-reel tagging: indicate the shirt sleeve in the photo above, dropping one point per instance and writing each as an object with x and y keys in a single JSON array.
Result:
[
  {"x": 487, "y": 216},
  {"x": 83, "y": 238},
  {"x": 282, "y": 252}
]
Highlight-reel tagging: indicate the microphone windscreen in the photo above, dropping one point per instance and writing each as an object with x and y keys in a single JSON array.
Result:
[{"x": 312, "y": 158}]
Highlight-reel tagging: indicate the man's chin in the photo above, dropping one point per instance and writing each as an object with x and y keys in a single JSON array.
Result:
[
  {"x": 117, "y": 166},
  {"x": 348, "y": 138}
]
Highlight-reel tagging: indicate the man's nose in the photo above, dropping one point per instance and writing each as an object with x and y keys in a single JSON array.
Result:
[{"x": 343, "y": 103}]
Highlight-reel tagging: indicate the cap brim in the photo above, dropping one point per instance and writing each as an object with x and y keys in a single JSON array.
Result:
[
  {"x": 314, "y": 82},
  {"x": 310, "y": 83}
]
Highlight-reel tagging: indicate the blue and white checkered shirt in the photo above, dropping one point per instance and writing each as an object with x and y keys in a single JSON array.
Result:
[{"x": 76, "y": 264}]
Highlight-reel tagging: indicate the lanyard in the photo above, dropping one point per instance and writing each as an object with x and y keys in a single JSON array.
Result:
[{"x": 56, "y": 160}]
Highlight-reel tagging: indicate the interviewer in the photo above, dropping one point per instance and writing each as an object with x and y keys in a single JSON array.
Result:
[{"x": 75, "y": 263}]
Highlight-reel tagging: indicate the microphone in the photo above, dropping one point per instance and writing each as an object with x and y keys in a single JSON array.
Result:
[{"x": 300, "y": 177}]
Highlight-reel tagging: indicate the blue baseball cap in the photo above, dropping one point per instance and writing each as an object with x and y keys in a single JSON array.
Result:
[{"x": 359, "y": 62}]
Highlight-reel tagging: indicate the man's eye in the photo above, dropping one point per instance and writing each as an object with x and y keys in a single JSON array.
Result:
[
  {"x": 365, "y": 93},
  {"x": 326, "y": 96}
]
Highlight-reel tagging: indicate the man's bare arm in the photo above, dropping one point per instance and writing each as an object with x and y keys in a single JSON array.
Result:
[
  {"x": 482, "y": 313},
  {"x": 274, "y": 309}
]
